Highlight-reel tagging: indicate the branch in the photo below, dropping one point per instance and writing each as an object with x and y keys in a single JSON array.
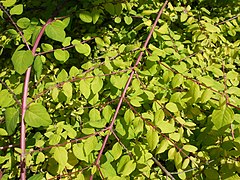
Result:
[
  {"x": 127, "y": 85},
  {"x": 15, "y": 25},
  {"x": 234, "y": 17},
  {"x": 163, "y": 168}
]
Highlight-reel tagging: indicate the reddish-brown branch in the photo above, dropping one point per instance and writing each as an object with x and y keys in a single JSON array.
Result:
[
  {"x": 24, "y": 106},
  {"x": 15, "y": 25},
  {"x": 127, "y": 85},
  {"x": 74, "y": 79},
  {"x": 68, "y": 142}
]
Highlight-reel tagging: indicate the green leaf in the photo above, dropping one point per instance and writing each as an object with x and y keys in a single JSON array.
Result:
[
  {"x": 22, "y": 60},
  {"x": 183, "y": 17},
  {"x": 121, "y": 164},
  {"x": 166, "y": 127},
  {"x": 74, "y": 71},
  {"x": 67, "y": 90},
  {"x": 212, "y": 28},
  {"x": 8, "y": 3},
  {"x": 116, "y": 81},
  {"x": 36, "y": 116},
  {"x": 109, "y": 7},
  {"x": 172, "y": 107},
  {"x": 136, "y": 102},
  {"x": 61, "y": 55},
  {"x": 210, "y": 82},
  {"x": 129, "y": 116},
  {"x": 84, "y": 49},
  {"x": 128, "y": 20},
  {"x": 16, "y": 10},
  {"x": 211, "y": 174},
  {"x": 163, "y": 29},
  {"x": 190, "y": 148},
  {"x": 107, "y": 112},
  {"x": 171, "y": 153},
  {"x": 85, "y": 88},
  {"x": 108, "y": 170},
  {"x": 99, "y": 41},
  {"x": 79, "y": 152},
  {"x": 61, "y": 155},
  {"x": 152, "y": 138},
  {"x": 70, "y": 131},
  {"x": 116, "y": 151},
  {"x": 67, "y": 41},
  {"x": 86, "y": 17},
  {"x": 55, "y": 31},
  {"x": 162, "y": 146},
  {"x": 46, "y": 47},
  {"x": 177, "y": 80},
  {"x": 194, "y": 91},
  {"x": 12, "y": 119},
  {"x": 80, "y": 176},
  {"x": 94, "y": 115},
  {"x": 54, "y": 139},
  {"x": 96, "y": 85},
  {"x": 6, "y": 99},
  {"x": 62, "y": 76},
  {"x": 222, "y": 117},
  {"x": 185, "y": 163},
  {"x": 23, "y": 22},
  {"x": 38, "y": 66},
  {"x": 36, "y": 177},
  {"x": 117, "y": 20},
  {"x": 3, "y": 132},
  {"x": 129, "y": 167},
  {"x": 149, "y": 12},
  {"x": 98, "y": 123},
  {"x": 178, "y": 160},
  {"x": 118, "y": 8},
  {"x": 95, "y": 15},
  {"x": 206, "y": 95},
  {"x": 175, "y": 136},
  {"x": 90, "y": 144}
]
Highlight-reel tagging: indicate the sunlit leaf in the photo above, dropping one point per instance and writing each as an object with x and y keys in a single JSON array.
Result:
[
  {"x": 55, "y": 31},
  {"x": 222, "y": 117},
  {"x": 86, "y": 16},
  {"x": 37, "y": 115},
  {"x": 152, "y": 139},
  {"x": 12, "y": 119},
  {"x": 16, "y": 10},
  {"x": 61, "y": 155},
  {"x": 22, "y": 60}
]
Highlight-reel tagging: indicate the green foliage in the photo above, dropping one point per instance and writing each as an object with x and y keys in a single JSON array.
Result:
[
  {"x": 180, "y": 109},
  {"x": 22, "y": 60},
  {"x": 37, "y": 115}
]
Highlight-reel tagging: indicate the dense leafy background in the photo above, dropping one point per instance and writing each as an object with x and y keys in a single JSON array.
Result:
[{"x": 181, "y": 110}]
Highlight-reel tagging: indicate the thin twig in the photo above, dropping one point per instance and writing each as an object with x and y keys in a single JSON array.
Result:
[
  {"x": 15, "y": 25},
  {"x": 234, "y": 17},
  {"x": 163, "y": 168},
  {"x": 191, "y": 55},
  {"x": 11, "y": 91},
  {"x": 68, "y": 142},
  {"x": 74, "y": 79},
  {"x": 127, "y": 85}
]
